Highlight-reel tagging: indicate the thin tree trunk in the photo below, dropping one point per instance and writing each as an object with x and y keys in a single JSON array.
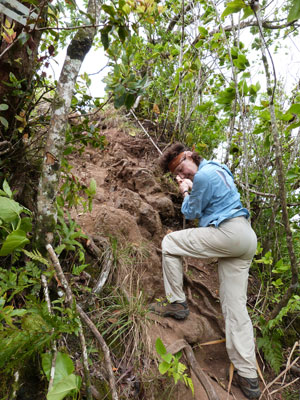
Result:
[
  {"x": 239, "y": 101},
  {"x": 55, "y": 143},
  {"x": 180, "y": 94},
  {"x": 281, "y": 181}
]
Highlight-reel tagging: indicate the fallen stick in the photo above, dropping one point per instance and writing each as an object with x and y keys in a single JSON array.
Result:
[
  {"x": 104, "y": 348},
  {"x": 107, "y": 260},
  {"x": 202, "y": 377},
  {"x": 86, "y": 320},
  {"x": 69, "y": 301},
  {"x": 54, "y": 346}
]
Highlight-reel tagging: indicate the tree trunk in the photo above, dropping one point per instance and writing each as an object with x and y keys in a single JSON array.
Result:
[
  {"x": 281, "y": 180},
  {"x": 55, "y": 141},
  {"x": 18, "y": 56}
]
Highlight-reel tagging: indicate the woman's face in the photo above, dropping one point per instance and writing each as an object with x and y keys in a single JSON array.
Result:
[{"x": 187, "y": 167}]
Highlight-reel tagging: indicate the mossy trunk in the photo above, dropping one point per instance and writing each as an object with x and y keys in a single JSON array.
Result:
[{"x": 55, "y": 142}]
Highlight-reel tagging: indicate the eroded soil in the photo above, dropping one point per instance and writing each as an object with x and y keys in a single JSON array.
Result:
[{"x": 137, "y": 206}]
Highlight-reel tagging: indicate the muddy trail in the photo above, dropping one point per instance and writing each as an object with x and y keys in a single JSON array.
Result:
[{"x": 134, "y": 207}]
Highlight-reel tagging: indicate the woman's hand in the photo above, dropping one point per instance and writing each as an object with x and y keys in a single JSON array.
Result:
[{"x": 184, "y": 184}]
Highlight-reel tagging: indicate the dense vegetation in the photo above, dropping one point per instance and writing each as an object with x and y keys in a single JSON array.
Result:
[{"x": 184, "y": 69}]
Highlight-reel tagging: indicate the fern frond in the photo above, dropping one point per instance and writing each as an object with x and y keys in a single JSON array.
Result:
[
  {"x": 271, "y": 346},
  {"x": 36, "y": 256}
]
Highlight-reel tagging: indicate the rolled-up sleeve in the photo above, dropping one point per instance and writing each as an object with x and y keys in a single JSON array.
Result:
[{"x": 194, "y": 204}]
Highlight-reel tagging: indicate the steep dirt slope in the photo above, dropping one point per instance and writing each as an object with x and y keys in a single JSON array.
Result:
[{"x": 136, "y": 205}]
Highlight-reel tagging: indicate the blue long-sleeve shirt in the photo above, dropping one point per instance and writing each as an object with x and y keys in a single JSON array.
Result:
[{"x": 214, "y": 196}]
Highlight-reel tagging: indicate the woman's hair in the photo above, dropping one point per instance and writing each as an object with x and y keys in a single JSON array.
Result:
[{"x": 172, "y": 152}]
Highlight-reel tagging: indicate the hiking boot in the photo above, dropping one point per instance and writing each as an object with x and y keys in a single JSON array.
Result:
[
  {"x": 249, "y": 386},
  {"x": 174, "y": 310}
]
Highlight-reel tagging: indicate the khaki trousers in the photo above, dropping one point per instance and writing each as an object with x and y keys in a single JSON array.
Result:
[{"x": 234, "y": 243}]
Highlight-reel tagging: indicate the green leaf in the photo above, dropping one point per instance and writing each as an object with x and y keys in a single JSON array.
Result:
[
  {"x": 109, "y": 10},
  {"x": 26, "y": 224},
  {"x": 203, "y": 32},
  {"x": 233, "y": 7},
  {"x": 247, "y": 12},
  {"x": 16, "y": 239},
  {"x": 167, "y": 357},
  {"x": 91, "y": 190},
  {"x": 122, "y": 32},
  {"x": 9, "y": 209},
  {"x": 3, "y": 107},
  {"x": 226, "y": 96},
  {"x": 294, "y": 109},
  {"x": 294, "y": 13},
  {"x": 4, "y": 122},
  {"x": 119, "y": 100},
  {"x": 6, "y": 188},
  {"x": 160, "y": 347},
  {"x": 64, "y": 387},
  {"x": 129, "y": 100},
  {"x": 105, "y": 40},
  {"x": 204, "y": 106},
  {"x": 23, "y": 37},
  {"x": 163, "y": 367},
  {"x": 63, "y": 366}
]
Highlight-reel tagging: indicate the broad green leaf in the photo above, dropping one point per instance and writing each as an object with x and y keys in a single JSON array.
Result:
[
  {"x": 163, "y": 367},
  {"x": 4, "y": 122},
  {"x": 3, "y": 107},
  {"x": 109, "y": 10},
  {"x": 105, "y": 40},
  {"x": 23, "y": 37},
  {"x": 293, "y": 126},
  {"x": 294, "y": 109},
  {"x": 64, "y": 387},
  {"x": 119, "y": 100},
  {"x": 6, "y": 188},
  {"x": 9, "y": 209},
  {"x": 294, "y": 13},
  {"x": 129, "y": 100},
  {"x": 204, "y": 106},
  {"x": 26, "y": 224},
  {"x": 63, "y": 366},
  {"x": 233, "y": 7},
  {"x": 160, "y": 347},
  {"x": 247, "y": 12},
  {"x": 167, "y": 357},
  {"x": 122, "y": 32},
  {"x": 91, "y": 190},
  {"x": 226, "y": 96},
  {"x": 203, "y": 32},
  {"x": 15, "y": 240}
]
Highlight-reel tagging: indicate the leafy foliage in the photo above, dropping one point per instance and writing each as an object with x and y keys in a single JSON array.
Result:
[
  {"x": 65, "y": 382},
  {"x": 170, "y": 364},
  {"x": 196, "y": 82}
]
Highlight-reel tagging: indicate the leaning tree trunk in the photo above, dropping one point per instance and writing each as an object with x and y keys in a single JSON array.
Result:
[
  {"x": 280, "y": 178},
  {"x": 55, "y": 142}
]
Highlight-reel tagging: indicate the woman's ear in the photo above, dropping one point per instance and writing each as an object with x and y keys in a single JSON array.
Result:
[{"x": 189, "y": 153}]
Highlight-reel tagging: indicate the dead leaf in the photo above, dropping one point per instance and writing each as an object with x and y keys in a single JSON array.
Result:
[{"x": 50, "y": 159}]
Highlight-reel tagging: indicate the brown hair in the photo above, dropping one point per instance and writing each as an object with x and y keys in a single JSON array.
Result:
[{"x": 172, "y": 152}]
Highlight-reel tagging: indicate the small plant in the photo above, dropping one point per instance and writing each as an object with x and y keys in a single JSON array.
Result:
[
  {"x": 13, "y": 227},
  {"x": 65, "y": 382},
  {"x": 170, "y": 364}
]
